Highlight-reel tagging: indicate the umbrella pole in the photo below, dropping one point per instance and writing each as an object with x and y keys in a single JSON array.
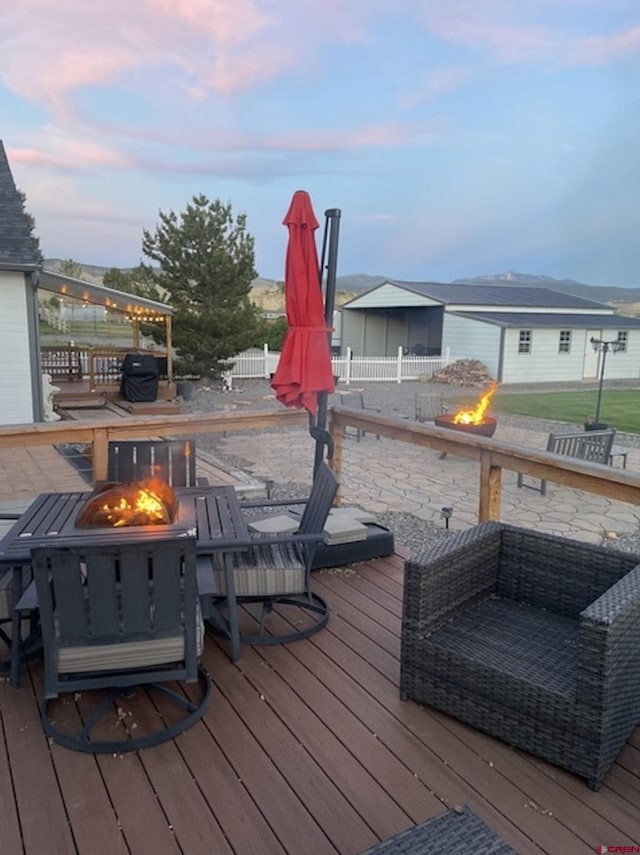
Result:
[{"x": 331, "y": 236}]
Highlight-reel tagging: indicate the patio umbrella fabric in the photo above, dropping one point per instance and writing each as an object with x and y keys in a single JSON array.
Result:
[{"x": 304, "y": 368}]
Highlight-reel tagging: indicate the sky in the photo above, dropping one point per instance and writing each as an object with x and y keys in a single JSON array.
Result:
[{"x": 456, "y": 137}]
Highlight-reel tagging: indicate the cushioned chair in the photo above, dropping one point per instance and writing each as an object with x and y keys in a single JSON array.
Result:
[
  {"x": 172, "y": 459},
  {"x": 270, "y": 570},
  {"x": 114, "y": 617},
  {"x": 530, "y": 637}
]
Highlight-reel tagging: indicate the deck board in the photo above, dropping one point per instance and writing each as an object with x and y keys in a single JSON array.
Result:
[{"x": 305, "y": 748}]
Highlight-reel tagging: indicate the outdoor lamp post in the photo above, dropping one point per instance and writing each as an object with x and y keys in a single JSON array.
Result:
[{"x": 599, "y": 344}]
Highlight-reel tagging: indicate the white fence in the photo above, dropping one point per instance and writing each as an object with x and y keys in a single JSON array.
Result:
[{"x": 349, "y": 368}]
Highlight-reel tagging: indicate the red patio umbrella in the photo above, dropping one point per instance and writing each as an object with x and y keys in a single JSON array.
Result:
[{"x": 304, "y": 368}]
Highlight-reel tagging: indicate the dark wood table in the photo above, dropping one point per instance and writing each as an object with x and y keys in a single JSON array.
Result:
[{"x": 211, "y": 514}]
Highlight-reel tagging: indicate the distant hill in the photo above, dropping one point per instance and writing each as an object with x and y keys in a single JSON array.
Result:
[{"x": 269, "y": 292}]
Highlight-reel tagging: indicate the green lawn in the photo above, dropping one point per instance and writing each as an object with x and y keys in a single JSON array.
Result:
[{"x": 618, "y": 408}]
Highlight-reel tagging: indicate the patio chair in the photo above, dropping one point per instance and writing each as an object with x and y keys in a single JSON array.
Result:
[
  {"x": 355, "y": 400},
  {"x": 532, "y": 638},
  {"x": 270, "y": 570},
  {"x": 428, "y": 405},
  {"x": 173, "y": 459},
  {"x": 115, "y": 617},
  {"x": 13, "y": 583}
]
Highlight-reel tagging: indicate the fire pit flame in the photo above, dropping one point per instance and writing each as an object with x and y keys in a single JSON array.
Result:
[
  {"x": 476, "y": 416},
  {"x": 148, "y": 502}
]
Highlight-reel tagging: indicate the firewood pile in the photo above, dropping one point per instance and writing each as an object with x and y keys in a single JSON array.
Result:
[{"x": 464, "y": 372}]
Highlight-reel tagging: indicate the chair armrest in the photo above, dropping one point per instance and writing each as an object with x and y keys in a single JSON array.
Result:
[
  {"x": 272, "y": 503},
  {"x": 239, "y": 544},
  {"x": 450, "y": 578},
  {"x": 609, "y": 656}
]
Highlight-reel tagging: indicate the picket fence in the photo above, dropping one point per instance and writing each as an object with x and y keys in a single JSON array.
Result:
[{"x": 348, "y": 368}]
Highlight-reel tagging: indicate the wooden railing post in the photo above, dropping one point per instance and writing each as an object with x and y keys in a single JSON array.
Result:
[
  {"x": 337, "y": 441},
  {"x": 100, "y": 454},
  {"x": 490, "y": 490}
]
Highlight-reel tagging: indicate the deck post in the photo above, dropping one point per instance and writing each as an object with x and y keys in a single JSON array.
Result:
[
  {"x": 337, "y": 441},
  {"x": 490, "y": 489},
  {"x": 100, "y": 454}
]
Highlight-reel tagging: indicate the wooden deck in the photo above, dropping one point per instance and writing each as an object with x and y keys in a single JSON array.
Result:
[{"x": 305, "y": 749}]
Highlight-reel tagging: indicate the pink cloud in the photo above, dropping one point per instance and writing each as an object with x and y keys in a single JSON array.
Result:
[
  {"x": 69, "y": 154},
  {"x": 510, "y": 32}
]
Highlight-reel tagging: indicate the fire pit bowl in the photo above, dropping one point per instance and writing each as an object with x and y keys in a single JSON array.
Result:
[{"x": 487, "y": 426}]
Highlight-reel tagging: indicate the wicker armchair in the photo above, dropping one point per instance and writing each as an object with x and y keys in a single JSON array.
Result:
[{"x": 532, "y": 638}]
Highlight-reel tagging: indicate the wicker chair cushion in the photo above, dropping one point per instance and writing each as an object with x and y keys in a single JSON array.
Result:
[
  {"x": 129, "y": 655},
  {"x": 265, "y": 571},
  {"x": 518, "y": 641}
]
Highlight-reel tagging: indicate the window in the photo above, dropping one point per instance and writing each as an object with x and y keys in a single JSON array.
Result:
[
  {"x": 564, "y": 345},
  {"x": 524, "y": 341},
  {"x": 622, "y": 342}
]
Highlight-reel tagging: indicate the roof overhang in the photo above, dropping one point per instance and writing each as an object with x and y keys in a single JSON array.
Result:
[{"x": 119, "y": 301}]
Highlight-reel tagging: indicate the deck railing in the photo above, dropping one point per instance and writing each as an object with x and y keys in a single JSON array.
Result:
[
  {"x": 491, "y": 455},
  {"x": 101, "y": 366}
]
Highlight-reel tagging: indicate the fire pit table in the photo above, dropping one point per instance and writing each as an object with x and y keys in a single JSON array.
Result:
[{"x": 209, "y": 513}]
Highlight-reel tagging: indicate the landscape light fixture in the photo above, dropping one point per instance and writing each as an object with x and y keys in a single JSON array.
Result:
[
  {"x": 604, "y": 347},
  {"x": 446, "y": 514}
]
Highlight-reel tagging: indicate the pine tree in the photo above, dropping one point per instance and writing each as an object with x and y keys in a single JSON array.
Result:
[
  {"x": 32, "y": 226},
  {"x": 206, "y": 260}
]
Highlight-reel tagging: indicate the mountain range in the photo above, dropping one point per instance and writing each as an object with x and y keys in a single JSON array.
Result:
[{"x": 356, "y": 283}]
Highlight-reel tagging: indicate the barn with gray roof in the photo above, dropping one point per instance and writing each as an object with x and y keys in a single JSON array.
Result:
[{"x": 522, "y": 334}]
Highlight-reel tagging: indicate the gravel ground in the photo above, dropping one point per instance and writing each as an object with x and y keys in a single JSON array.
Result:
[{"x": 394, "y": 400}]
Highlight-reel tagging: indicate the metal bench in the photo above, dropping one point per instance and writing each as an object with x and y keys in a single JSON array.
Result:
[{"x": 595, "y": 446}]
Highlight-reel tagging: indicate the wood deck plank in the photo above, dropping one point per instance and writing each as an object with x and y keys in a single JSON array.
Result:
[
  {"x": 305, "y": 748},
  {"x": 296, "y": 829},
  {"x": 9, "y": 821},
  {"x": 302, "y": 754},
  {"x": 41, "y": 808}
]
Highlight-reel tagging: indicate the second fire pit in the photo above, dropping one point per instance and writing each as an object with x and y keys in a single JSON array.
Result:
[{"x": 487, "y": 427}]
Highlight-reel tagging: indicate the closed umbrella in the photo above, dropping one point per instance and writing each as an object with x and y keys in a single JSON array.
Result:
[{"x": 304, "y": 369}]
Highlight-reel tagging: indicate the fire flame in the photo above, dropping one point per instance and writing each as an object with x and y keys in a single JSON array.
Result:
[
  {"x": 476, "y": 415},
  {"x": 147, "y": 502}
]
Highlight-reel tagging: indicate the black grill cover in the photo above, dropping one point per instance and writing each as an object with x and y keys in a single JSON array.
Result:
[{"x": 139, "y": 377}]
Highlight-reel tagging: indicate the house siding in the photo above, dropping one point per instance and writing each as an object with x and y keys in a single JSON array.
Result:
[
  {"x": 546, "y": 364},
  {"x": 469, "y": 339},
  {"x": 15, "y": 375},
  {"x": 390, "y": 296}
]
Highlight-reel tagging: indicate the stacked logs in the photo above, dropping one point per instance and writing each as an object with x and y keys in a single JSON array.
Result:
[{"x": 464, "y": 372}]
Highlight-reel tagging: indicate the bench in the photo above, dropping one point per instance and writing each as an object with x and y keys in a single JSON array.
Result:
[{"x": 596, "y": 446}]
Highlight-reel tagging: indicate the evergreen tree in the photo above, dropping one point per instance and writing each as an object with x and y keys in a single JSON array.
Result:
[
  {"x": 71, "y": 268},
  {"x": 206, "y": 260},
  {"x": 32, "y": 226}
]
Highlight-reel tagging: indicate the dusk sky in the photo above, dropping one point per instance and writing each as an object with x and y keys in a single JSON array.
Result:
[{"x": 457, "y": 137}]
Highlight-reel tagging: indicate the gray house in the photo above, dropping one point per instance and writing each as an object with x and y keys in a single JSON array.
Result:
[
  {"x": 522, "y": 334},
  {"x": 21, "y": 275},
  {"x": 20, "y": 380}
]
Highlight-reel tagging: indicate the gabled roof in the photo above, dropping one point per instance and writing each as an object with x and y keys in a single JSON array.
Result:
[
  {"x": 17, "y": 249},
  {"x": 560, "y": 320},
  {"x": 453, "y": 294},
  {"x": 119, "y": 301}
]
